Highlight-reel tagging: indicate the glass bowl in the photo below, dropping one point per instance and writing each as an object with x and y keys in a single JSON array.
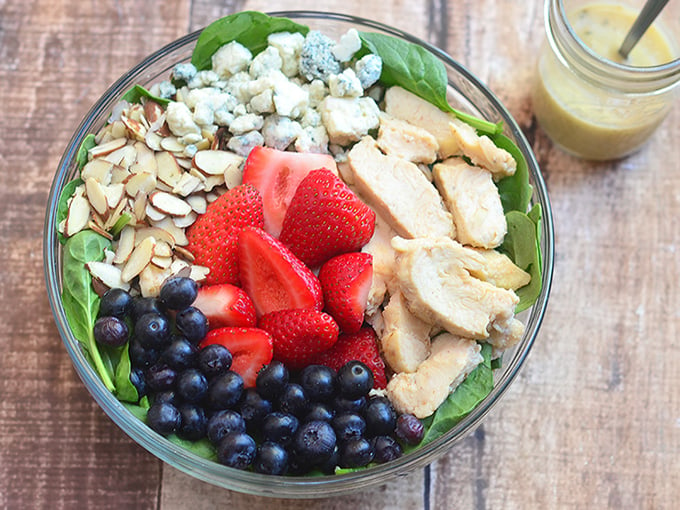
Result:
[{"x": 466, "y": 93}]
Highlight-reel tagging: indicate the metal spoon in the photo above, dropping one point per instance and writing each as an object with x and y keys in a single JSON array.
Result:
[{"x": 647, "y": 15}]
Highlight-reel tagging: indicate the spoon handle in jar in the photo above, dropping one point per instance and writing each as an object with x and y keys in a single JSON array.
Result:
[{"x": 649, "y": 12}]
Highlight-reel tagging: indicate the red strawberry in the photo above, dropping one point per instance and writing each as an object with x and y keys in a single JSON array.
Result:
[
  {"x": 276, "y": 174},
  {"x": 273, "y": 277},
  {"x": 345, "y": 282},
  {"x": 251, "y": 349},
  {"x": 299, "y": 335},
  {"x": 225, "y": 305},
  {"x": 214, "y": 235},
  {"x": 324, "y": 219},
  {"x": 362, "y": 346}
]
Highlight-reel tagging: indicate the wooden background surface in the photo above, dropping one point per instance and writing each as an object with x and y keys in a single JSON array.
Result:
[{"x": 593, "y": 420}]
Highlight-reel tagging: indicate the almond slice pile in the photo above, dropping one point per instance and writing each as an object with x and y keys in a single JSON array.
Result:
[{"x": 142, "y": 190}]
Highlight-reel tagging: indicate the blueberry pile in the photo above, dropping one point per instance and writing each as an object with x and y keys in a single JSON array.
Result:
[{"x": 289, "y": 423}]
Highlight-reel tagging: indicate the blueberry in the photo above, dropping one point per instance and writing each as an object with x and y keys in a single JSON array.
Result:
[
  {"x": 348, "y": 425},
  {"x": 110, "y": 331},
  {"x": 167, "y": 396},
  {"x": 178, "y": 292},
  {"x": 144, "y": 305},
  {"x": 193, "y": 422},
  {"x": 380, "y": 416},
  {"x": 224, "y": 422},
  {"x": 272, "y": 380},
  {"x": 253, "y": 407},
  {"x": 271, "y": 459},
  {"x": 319, "y": 411},
  {"x": 318, "y": 381},
  {"x": 213, "y": 360},
  {"x": 409, "y": 429},
  {"x": 163, "y": 418},
  {"x": 152, "y": 330},
  {"x": 192, "y": 323},
  {"x": 328, "y": 466},
  {"x": 314, "y": 442},
  {"x": 354, "y": 379},
  {"x": 386, "y": 449},
  {"x": 279, "y": 427},
  {"x": 140, "y": 356},
  {"x": 342, "y": 404},
  {"x": 192, "y": 385},
  {"x": 180, "y": 354},
  {"x": 236, "y": 450},
  {"x": 225, "y": 390},
  {"x": 355, "y": 452},
  {"x": 293, "y": 400},
  {"x": 138, "y": 381},
  {"x": 115, "y": 303},
  {"x": 160, "y": 377}
]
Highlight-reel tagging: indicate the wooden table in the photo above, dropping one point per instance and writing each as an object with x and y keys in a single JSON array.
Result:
[{"x": 593, "y": 421}]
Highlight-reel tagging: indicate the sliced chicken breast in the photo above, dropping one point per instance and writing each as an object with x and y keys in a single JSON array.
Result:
[
  {"x": 404, "y": 140},
  {"x": 405, "y": 339},
  {"x": 482, "y": 151}
]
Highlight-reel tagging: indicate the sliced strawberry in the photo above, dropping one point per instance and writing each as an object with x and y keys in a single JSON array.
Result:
[
  {"x": 345, "y": 282},
  {"x": 225, "y": 305},
  {"x": 276, "y": 174},
  {"x": 273, "y": 277},
  {"x": 299, "y": 335},
  {"x": 214, "y": 235},
  {"x": 250, "y": 348},
  {"x": 362, "y": 346},
  {"x": 324, "y": 219}
]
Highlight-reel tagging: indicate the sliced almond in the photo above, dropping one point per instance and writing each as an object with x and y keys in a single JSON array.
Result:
[
  {"x": 198, "y": 203},
  {"x": 96, "y": 195},
  {"x": 215, "y": 162},
  {"x": 163, "y": 249},
  {"x": 199, "y": 273},
  {"x": 78, "y": 215},
  {"x": 154, "y": 214},
  {"x": 152, "y": 111},
  {"x": 107, "y": 147},
  {"x": 151, "y": 279},
  {"x": 184, "y": 253},
  {"x": 162, "y": 262},
  {"x": 119, "y": 174},
  {"x": 126, "y": 243},
  {"x": 176, "y": 233},
  {"x": 146, "y": 159},
  {"x": 135, "y": 128},
  {"x": 161, "y": 186},
  {"x": 143, "y": 182},
  {"x": 184, "y": 163},
  {"x": 118, "y": 129},
  {"x": 168, "y": 170},
  {"x": 169, "y": 204},
  {"x": 99, "y": 170},
  {"x": 107, "y": 274},
  {"x": 135, "y": 112},
  {"x": 139, "y": 206},
  {"x": 115, "y": 215},
  {"x": 139, "y": 259},
  {"x": 170, "y": 143},
  {"x": 153, "y": 140},
  {"x": 187, "y": 185},
  {"x": 114, "y": 194},
  {"x": 185, "y": 221},
  {"x": 124, "y": 156},
  {"x": 98, "y": 228},
  {"x": 157, "y": 233},
  {"x": 213, "y": 181}
]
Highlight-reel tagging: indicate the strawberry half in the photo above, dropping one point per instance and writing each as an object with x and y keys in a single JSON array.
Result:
[
  {"x": 362, "y": 346},
  {"x": 324, "y": 219},
  {"x": 346, "y": 281},
  {"x": 277, "y": 174},
  {"x": 250, "y": 348},
  {"x": 273, "y": 277},
  {"x": 214, "y": 235},
  {"x": 299, "y": 335},
  {"x": 225, "y": 305}
]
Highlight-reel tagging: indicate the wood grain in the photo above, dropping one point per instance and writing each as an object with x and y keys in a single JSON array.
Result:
[{"x": 593, "y": 420}]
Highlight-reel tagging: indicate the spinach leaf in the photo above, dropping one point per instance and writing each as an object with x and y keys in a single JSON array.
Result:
[
  {"x": 202, "y": 447},
  {"x": 515, "y": 190},
  {"x": 62, "y": 204},
  {"x": 522, "y": 245},
  {"x": 139, "y": 410},
  {"x": 417, "y": 70},
  {"x": 476, "y": 386},
  {"x": 87, "y": 143},
  {"x": 250, "y": 28},
  {"x": 137, "y": 92},
  {"x": 81, "y": 303},
  {"x": 125, "y": 390}
]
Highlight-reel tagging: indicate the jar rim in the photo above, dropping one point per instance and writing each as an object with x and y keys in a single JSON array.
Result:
[{"x": 574, "y": 53}]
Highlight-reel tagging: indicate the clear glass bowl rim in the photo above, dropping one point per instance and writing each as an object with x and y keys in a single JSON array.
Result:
[{"x": 254, "y": 483}]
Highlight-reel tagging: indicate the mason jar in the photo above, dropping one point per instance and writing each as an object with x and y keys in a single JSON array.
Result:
[{"x": 586, "y": 97}]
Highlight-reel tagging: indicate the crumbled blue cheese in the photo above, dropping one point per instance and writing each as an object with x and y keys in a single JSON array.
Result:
[
  {"x": 166, "y": 90},
  {"x": 180, "y": 119},
  {"x": 289, "y": 46},
  {"x": 245, "y": 123},
  {"x": 243, "y": 144},
  {"x": 347, "y": 46},
  {"x": 265, "y": 61},
  {"x": 316, "y": 57},
  {"x": 290, "y": 100},
  {"x": 368, "y": 69},
  {"x": 238, "y": 86},
  {"x": 349, "y": 119},
  {"x": 279, "y": 132},
  {"x": 312, "y": 139},
  {"x": 183, "y": 73},
  {"x": 345, "y": 84},
  {"x": 311, "y": 118},
  {"x": 263, "y": 102},
  {"x": 204, "y": 79},
  {"x": 317, "y": 91},
  {"x": 230, "y": 59}
]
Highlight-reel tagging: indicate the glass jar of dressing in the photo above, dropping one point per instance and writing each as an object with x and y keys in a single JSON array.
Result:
[{"x": 589, "y": 100}]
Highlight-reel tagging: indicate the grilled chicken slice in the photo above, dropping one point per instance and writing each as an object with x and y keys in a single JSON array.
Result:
[
  {"x": 384, "y": 263},
  {"x": 405, "y": 339},
  {"x": 421, "y": 392},
  {"x": 404, "y": 140},
  {"x": 473, "y": 200},
  {"x": 482, "y": 151},
  {"x": 398, "y": 191},
  {"x": 501, "y": 271}
]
